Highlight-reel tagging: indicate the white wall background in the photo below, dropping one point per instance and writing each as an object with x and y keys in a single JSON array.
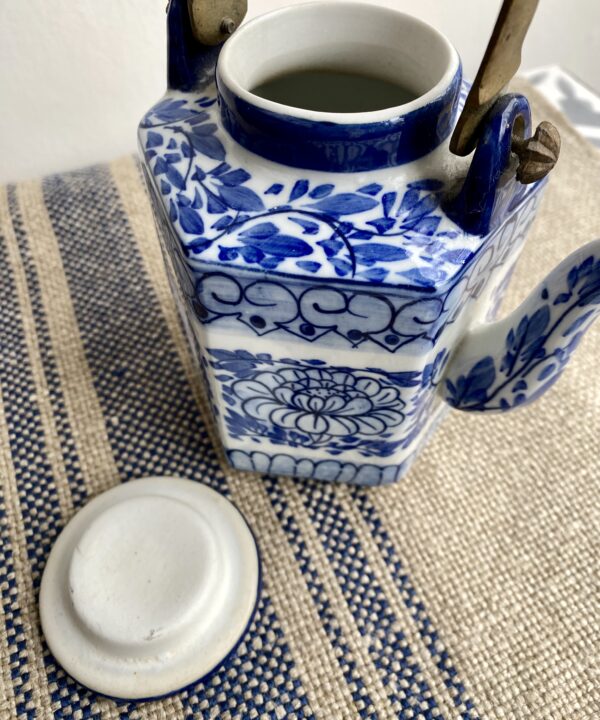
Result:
[{"x": 76, "y": 75}]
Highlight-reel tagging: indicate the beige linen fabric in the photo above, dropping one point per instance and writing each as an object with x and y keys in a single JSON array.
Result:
[{"x": 470, "y": 589}]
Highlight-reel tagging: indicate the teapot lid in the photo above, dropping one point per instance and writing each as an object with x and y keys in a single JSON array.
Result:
[{"x": 149, "y": 587}]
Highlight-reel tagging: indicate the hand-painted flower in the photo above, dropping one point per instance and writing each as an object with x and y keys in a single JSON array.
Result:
[{"x": 321, "y": 402}]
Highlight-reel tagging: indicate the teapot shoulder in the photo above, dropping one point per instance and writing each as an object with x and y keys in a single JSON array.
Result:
[{"x": 231, "y": 208}]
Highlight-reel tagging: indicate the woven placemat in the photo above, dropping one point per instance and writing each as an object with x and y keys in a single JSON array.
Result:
[{"x": 469, "y": 590}]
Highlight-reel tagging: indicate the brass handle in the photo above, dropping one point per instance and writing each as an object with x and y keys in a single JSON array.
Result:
[
  {"x": 537, "y": 155},
  {"x": 213, "y": 21}
]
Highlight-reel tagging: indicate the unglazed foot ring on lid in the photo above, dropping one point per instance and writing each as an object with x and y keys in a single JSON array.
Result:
[{"x": 149, "y": 587}]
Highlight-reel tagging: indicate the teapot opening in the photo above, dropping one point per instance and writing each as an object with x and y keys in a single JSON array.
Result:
[
  {"x": 380, "y": 46},
  {"x": 322, "y": 59},
  {"x": 333, "y": 90}
]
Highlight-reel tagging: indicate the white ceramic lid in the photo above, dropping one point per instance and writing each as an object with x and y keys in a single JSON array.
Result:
[{"x": 149, "y": 587}]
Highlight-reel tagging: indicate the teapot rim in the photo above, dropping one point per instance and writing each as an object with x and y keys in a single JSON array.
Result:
[{"x": 226, "y": 70}]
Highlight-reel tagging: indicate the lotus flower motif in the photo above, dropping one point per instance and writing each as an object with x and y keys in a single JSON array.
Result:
[{"x": 321, "y": 403}]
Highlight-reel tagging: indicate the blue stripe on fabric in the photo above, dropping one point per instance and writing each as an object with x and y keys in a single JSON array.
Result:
[
  {"x": 15, "y": 633},
  {"x": 375, "y": 618},
  {"x": 258, "y": 682},
  {"x": 69, "y": 454},
  {"x": 415, "y": 606},
  {"x": 152, "y": 422},
  {"x": 364, "y": 703},
  {"x": 35, "y": 483},
  {"x": 11, "y": 609}
]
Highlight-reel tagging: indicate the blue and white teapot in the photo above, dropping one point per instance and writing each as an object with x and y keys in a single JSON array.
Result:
[{"x": 338, "y": 272}]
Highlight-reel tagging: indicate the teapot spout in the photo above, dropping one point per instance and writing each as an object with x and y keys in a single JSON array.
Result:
[{"x": 510, "y": 363}]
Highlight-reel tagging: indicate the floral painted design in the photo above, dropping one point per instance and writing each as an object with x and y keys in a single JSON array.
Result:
[
  {"x": 343, "y": 315},
  {"x": 225, "y": 214},
  {"x": 321, "y": 403},
  {"x": 311, "y": 405},
  {"x": 536, "y": 348}
]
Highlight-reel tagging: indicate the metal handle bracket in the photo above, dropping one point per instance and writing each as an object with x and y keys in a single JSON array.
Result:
[
  {"x": 213, "y": 21},
  {"x": 538, "y": 154}
]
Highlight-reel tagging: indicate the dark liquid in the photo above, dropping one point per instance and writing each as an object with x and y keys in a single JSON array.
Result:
[{"x": 333, "y": 91}]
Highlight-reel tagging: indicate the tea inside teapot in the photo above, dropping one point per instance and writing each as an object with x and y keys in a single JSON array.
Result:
[{"x": 332, "y": 90}]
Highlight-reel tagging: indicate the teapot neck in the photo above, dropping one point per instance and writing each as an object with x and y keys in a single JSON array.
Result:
[
  {"x": 338, "y": 146},
  {"x": 372, "y": 42}
]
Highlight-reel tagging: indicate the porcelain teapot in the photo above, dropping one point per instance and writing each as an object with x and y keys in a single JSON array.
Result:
[{"x": 338, "y": 273}]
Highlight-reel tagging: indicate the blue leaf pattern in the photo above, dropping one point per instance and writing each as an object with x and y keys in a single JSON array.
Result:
[
  {"x": 187, "y": 147},
  {"x": 154, "y": 139},
  {"x": 321, "y": 191},
  {"x": 241, "y": 198},
  {"x": 537, "y": 348},
  {"x": 379, "y": 251},
  {"x": 473, "y": 387},
  {"x": 274, "y": 189},
  {"x": 300, "y": 188},
  {"x": 234, "y": 177},
  {"x": 280, "y": 245},
  {"x": 191, "y": 221},
  {"x": 208, "y": 145},
  {"x": 344, "y": 204}
]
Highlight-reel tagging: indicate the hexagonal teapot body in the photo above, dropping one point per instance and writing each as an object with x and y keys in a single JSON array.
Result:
[{"x": 326, "y": 268}]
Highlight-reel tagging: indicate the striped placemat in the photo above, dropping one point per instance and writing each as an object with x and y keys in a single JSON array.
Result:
[{"x": 469, "y": 590}]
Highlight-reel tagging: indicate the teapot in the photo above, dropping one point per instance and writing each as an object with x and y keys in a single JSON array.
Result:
[{"x": 338, "y": 272}]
